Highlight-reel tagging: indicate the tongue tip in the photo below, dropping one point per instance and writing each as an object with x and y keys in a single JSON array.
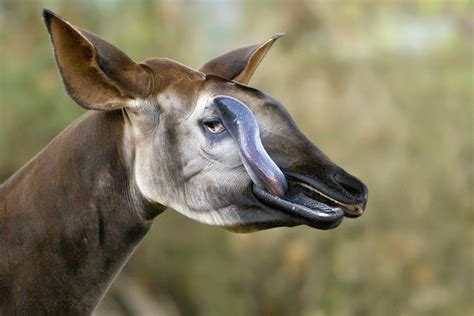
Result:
[
  {"x": 278, "y": 193},
  {"x": 279, "y": 187}
]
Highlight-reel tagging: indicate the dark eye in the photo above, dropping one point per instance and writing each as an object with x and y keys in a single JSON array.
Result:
[{"x": 214, "y": 126}]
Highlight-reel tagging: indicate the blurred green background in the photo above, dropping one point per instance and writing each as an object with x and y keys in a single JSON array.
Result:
[{"x": 385, "y": 88}]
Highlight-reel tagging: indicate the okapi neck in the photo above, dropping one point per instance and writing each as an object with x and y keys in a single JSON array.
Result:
[{"x": 72, "y": 219}]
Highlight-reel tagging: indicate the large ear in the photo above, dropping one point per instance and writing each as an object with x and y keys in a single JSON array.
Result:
[
  {"x": 239, "y": 64},
  {"x": 96, "y": 74}
]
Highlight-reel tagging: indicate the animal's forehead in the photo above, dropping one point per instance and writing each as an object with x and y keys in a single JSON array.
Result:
[
  {"x": 171, "y": 75},
  {"x": 183, "y": 90},
  {"x": 251, "y": 96}
]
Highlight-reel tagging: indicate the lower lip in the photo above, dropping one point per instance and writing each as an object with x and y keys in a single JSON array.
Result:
[{"x": 314, "y": 218}]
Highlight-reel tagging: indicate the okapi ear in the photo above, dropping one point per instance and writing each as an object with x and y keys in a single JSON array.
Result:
[
  {"x": 239, "y": 64},
  {"x": 96, "y": 75}
]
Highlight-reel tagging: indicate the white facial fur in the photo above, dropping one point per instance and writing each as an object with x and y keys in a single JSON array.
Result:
[{"x": 190, "y": 181}]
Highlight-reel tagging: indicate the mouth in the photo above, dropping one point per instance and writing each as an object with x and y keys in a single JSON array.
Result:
[{"x": 308, "y": 205}]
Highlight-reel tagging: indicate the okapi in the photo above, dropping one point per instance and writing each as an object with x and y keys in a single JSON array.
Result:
[{"x": 158, "y": 135}]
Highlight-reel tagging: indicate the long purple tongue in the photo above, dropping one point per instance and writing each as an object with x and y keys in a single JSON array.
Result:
[{"x": 243, "y": 127}]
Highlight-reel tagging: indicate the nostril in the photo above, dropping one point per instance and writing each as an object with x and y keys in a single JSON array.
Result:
[{"x": 351, "y": 185}]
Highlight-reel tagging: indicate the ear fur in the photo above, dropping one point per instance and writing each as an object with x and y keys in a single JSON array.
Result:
[
  {"x": 239, "y": 64},
  {"x": 96, "y": 75}
]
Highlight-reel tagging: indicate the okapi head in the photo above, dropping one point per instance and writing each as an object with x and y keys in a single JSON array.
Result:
[{"x": 205, "y": 143}]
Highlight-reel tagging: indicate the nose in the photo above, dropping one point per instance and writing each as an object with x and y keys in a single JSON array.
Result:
[{"x": 353, "y": 186}]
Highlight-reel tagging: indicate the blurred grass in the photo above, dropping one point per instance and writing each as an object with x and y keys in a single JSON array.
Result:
[{"x": 384, "y": 88}]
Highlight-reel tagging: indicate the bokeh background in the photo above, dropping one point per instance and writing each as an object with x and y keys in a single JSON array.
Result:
[{"x": 385, "y": 88}]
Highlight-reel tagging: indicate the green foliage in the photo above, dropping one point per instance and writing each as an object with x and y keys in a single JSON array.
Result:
[{"x": 384, "y": 88}]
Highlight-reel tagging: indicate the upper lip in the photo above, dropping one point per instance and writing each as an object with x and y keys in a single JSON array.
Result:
[
  {"x": 350, "y": 210},
  {"x": 321, "y": 210}
]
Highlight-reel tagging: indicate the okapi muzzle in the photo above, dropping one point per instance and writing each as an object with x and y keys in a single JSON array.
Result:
[{"x": 314, "y": 203}]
